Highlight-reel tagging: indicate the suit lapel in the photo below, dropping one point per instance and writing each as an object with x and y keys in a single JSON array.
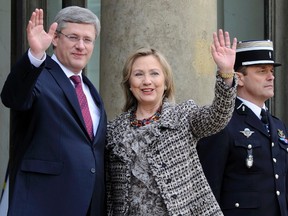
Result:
[
  {"x": 250, "y": 118},
  {"x": 67, "y": 88},
  {"x": 273, "y": 129},
  {"x": 256, "y": 123},
  {"x": 70, "y": 93},
  {"x": 101, "y": 130},
  {"x": 93, "y": 91}
]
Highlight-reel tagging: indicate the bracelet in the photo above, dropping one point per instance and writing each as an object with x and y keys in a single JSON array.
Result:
[{"x": 226, "y": 75}]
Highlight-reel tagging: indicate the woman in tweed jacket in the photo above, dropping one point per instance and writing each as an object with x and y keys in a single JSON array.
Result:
[{"x": 152, "y": 163}]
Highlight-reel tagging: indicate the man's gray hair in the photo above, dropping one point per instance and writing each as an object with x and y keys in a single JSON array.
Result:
[{"x": 75, "y": 14}]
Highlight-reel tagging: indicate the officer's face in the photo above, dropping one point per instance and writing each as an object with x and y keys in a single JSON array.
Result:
[{"x": 257, "y": 85}]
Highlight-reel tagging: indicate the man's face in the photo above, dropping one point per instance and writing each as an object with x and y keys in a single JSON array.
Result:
[
  {"x": 258, "y": 84},
  {"x": 72, "y": 53}
]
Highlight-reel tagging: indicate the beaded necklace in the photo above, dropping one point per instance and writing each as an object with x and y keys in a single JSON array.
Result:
[{"x": 139, "y": 123}]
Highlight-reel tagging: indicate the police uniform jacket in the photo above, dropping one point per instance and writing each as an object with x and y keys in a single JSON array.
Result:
[
  {"x": 171, "y": 154},
  {"x": 246, "y": 167}
]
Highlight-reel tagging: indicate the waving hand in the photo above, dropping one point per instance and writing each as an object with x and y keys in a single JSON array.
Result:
[
  {"x": 223, "y": 53},
  {"x": 39, "y": 40}
]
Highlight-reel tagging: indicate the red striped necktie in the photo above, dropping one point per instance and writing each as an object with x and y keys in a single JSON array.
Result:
[{"x": 83, "y": 105}]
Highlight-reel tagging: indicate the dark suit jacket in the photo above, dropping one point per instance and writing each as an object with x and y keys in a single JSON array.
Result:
[
  {"x": 55, "y": 170},
  {"x": 260, "y": 190}
]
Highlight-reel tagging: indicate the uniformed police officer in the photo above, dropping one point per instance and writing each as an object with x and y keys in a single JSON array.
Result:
[{"x": 246, "y": 163}]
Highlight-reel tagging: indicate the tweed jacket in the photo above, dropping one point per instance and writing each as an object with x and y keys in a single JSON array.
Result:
[{"x": 171, "y": 154}]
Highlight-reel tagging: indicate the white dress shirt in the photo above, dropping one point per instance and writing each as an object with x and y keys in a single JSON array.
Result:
[
  {"x": 256, "y": 109},
  {"x": 94, "y": 110}
]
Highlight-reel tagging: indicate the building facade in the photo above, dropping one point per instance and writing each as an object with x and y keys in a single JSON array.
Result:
[{"x": 181, "y": 30}]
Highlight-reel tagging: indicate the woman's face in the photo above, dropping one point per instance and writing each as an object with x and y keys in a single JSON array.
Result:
[{"x": 147, "y": 81}]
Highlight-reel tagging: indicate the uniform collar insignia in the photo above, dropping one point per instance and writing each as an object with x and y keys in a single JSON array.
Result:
[
  {"x": 247, "y": 132},
  {"x": 241, "y": 107},
  {"x": 282, "y": 136}
]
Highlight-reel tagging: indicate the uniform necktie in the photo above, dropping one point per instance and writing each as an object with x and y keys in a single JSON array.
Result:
[
  {"x": 264, "y": 119},
  {"x": 83, "y": 105}
]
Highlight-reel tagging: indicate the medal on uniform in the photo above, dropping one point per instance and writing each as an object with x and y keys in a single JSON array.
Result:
[
  {"x": 282, "y": 136},
  {"x": 249, "y": 159}
]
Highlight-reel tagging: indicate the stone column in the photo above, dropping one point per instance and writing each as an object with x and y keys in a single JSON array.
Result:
[
  {"x": 181, "y": 30},
  {"x": 4, "y": 70}
]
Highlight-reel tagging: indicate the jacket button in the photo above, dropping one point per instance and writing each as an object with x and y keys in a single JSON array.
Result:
[
  {"x": 237, "y": 205},
  {"x": 272, "y": 144},
  {"x": 276, "y": 176},
  {"x": 278, "y": 193},
  {"x": 92, "y": 170},
  {"x": 274, "y": 159}
]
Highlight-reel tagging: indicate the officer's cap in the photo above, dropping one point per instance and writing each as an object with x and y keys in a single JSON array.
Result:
[{"x": 254, "y": 52}]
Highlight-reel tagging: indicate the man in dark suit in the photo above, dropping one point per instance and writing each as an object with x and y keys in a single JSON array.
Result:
[
  {"x": 246, "y": 164},
  {"x": 56, "y": 165}
]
